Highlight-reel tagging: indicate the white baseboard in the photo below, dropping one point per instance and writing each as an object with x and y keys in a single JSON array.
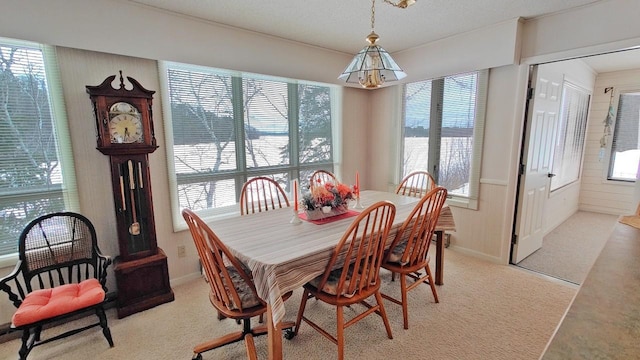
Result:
[
  {"x": 184, "y": 279},
  {"x": 601, "y": 210},
  {"x": 476, "y": 254}
]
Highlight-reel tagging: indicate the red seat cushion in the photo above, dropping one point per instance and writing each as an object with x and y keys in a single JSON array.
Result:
[{"x": 47, "y": 303}]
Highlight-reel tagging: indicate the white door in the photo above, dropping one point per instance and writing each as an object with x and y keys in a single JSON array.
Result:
[{"x": 542, "y": 121}]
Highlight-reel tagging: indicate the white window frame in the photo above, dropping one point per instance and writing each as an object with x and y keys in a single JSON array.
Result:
[
  {"x": 470, "y": 201},
  {"x": 609, "y": 147},
  {"x": 575, "y": 86},
  {"x": 61, "y": 131},
  {"x": 233, "y": 210}
]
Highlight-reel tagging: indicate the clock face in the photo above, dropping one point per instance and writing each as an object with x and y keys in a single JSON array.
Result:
[{"x": 125, "y": 126}]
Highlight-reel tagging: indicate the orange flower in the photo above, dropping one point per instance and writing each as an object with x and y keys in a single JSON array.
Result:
[
  {"x": 322, "y": 195},
  {"x": 343, "y": 190}
]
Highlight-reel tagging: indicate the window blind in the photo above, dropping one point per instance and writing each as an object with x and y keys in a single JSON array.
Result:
[
  {"x": 224, "y": 127},
  {"x": 443, "y": 130},
  {"x": 36, "y": 165},
  {"x": 625, "y": 147},
  {"x": 571, "y": 132}
]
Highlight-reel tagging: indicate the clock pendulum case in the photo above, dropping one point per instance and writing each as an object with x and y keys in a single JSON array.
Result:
[{"x": 125, "y": 133}]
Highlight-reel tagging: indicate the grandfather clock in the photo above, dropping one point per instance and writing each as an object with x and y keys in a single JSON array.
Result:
[{"x": 125, "y": 133}]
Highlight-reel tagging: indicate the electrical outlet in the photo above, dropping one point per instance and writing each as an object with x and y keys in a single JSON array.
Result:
[{"x": 182, "y": 251}]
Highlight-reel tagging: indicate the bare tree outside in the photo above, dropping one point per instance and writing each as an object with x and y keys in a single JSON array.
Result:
[
  {"x": 30, "y": 176},
  {"x": 456, "y": 107},
  {"x": 208, "y": 109}
]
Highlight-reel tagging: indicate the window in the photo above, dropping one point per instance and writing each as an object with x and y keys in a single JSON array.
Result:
[
  {"x": 36, "y": 166},
  {"x": 443, "y": 130},
  {"x": 225, "y": 127},
  {"x": 625, "y": 147},
  {"x": 569, "y": 144}
]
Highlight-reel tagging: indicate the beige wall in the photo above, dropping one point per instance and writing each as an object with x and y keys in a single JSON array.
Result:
[
  {"x": 370, "y": 118},
  {"x": 597, "y": 193}
]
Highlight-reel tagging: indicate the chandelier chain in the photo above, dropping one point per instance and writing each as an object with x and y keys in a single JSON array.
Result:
[{"x": 373, "y": 14}]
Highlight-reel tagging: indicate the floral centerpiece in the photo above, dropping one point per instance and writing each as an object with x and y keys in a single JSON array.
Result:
[{"x": 327, "y": 200}]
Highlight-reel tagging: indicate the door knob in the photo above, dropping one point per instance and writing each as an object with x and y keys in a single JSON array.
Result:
[{"x": 550, "y": 175}]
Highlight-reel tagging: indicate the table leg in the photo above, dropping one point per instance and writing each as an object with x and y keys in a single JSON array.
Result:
[
  {"x": 274, "y": 337},
  {"x": 439, "y": 257}
]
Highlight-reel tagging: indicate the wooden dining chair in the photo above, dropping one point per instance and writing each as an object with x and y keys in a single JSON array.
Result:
[
  {"x": 409, "y": 251},
  {"x": 352, "y": 273},
  {"x": 416, "y": 184},
  {"x": 233, "y": 292},
  {"x": 262, "y": 194},
  {"x": 321, "y": 177}
]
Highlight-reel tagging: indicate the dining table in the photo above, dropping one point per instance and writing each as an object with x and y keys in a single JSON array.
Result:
[{"x": 284, "y": 253}]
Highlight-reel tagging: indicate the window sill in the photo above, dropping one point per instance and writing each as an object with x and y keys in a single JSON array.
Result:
[
  {"x": 463, "y": 202},
  {"x": 207, "y": 215},
  {"x": 8, "y": 261},
  {"x": 619, "y": 182}
]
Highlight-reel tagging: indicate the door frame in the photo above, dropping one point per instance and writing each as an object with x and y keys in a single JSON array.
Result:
[{"x": 520, "y": 169}]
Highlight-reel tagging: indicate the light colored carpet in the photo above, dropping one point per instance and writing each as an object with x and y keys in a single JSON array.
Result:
[
  {"x": 486, "y": 311},
  {"x": 569, "y": 250}
]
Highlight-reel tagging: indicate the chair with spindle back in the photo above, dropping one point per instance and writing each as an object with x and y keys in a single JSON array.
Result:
[
  {"x": 232, "y": 290},
  {"x": 60, "y": 274},
  {"x": 262, "y": 194},
  {"x": 416, "y": 184},
  {"x": 352, "y": 273},
  {"x": 409, "y": 251}
]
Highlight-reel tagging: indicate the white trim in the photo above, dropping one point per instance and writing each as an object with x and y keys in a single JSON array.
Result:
[
  {"x": 476, "y": 254},
  {"x": 498, "y": 182},
  {"x": 185, "y": 279},
  {"x": 8, "y": 261},
  {"x": 614, "y": 46},
  {"x": 617, "y": 91},
  {"x": 231, "y": 210}
]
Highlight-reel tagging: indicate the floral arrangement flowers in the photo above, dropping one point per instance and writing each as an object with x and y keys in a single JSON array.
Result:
[{"x": 330, "y": 194}]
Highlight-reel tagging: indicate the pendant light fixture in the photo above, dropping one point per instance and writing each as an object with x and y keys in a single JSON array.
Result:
[{"x": 373, "y": 66}]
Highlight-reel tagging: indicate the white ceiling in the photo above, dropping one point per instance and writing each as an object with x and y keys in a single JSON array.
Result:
[
  {"x": 621, "y": 60},
  {"x": 342, "y": 25}
]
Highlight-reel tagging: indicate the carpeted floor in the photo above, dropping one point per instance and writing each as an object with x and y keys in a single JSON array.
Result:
[
  {"x": 486, "y": 311},
  {"x": 569, "y": 250}
]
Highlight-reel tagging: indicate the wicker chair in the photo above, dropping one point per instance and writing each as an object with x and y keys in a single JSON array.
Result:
[
  {"x": 416, "y": 184},
  {"x": 59, "y": 275},
  {"x": 409, "y": 251},
  {"x": 233, "y": 293},
  {"x": 356, "y": 260}
]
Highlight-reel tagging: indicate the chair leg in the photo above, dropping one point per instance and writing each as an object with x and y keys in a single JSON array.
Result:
[
  {"x": 105, "y": 327},
  {"x": 251, "y": 347},
  {"x": 24, "y": 348},
  {"x": 340, "y": 331},
  {"x": 303, "y": 303},
  {"x": 383, "y": 314},
  {"x": 431, "y": 283},
  {"x": 37, "y": 334},
  {"x": 405, "y": 306}
]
